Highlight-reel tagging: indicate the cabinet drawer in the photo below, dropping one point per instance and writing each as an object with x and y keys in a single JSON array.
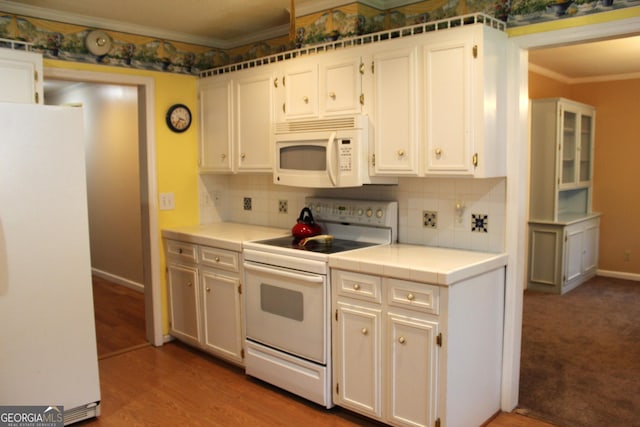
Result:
[
  {"x": 182, "y": 251},
  {"x": 219, "y": 258},
  {"x": 416, "y": 296},
  {"x": 356, "y": 285}
]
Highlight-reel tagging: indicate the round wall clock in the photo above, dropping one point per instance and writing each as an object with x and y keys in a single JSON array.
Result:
[{"x": 179, "y": 118}]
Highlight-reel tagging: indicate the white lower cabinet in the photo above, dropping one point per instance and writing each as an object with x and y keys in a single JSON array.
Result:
[
  {"x": 562, "y": 255},
  {"x": 415, "y": 354},
  {"x": 204, "y": 298}
]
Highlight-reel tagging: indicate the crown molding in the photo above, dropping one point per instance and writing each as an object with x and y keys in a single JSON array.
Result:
[
  {"x": 580, "y": 80},
  {"x": 307, "y": 7}
]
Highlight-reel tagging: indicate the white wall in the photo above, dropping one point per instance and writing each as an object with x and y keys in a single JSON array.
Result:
[
  {"x": 113, "y": 180},
  {"x": 414, "y": 196}
]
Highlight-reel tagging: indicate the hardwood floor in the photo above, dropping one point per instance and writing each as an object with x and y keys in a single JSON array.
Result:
[
  {"x": 176, "y": 385},
  {"x": 119, "y": 315}
]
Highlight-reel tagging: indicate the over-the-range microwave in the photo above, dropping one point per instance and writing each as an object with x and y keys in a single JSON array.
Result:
[{"x": 325, "y": 153}]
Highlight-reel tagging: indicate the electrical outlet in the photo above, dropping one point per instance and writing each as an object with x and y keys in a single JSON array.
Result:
[
  {"x": 627, "y": 255},
  {"x": 283, "y": 206},
  {"x": 247, "y": 203},
  {"x": 167, "y": 202}
]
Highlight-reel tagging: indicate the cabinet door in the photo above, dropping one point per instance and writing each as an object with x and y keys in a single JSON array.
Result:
[
  {"x": 447, "y": 74},
  {"x": 340, "y": 85},
  {"x": 221, "y": 309},
  {"x": 412, "y": 370},
  {"x": 585, "y": 165},
  {"x": 395, "y": 111},
  {"x": 573, "y": 253},
  {"x": 183, "y": 302},
  {"x": 216, "y": 126},
  {"x": 20, "y": 77},
  {"x": 357, "y": 360},
  {"x": 300, "y": 84},
  {"x": 254, "y": 114},
  {"x": 590, "y": 247},
  {"x": 569, "y": 128}
]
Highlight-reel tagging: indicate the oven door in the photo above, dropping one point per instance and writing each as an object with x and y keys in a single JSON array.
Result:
[{"x": 287, "y": 310}]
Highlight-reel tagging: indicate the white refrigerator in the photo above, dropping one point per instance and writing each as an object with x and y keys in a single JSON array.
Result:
[{"x": 48, "y": 352}]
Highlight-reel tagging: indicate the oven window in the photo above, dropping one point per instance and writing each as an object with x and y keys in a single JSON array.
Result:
[
  {"x": 303, "y": 157},
  {"x": 282, "y": 302}
]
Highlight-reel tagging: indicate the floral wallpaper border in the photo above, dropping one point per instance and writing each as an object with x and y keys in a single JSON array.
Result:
[{"x": 67, "y": 41}]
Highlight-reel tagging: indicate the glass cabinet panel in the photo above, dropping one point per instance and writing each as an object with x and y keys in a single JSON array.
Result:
[
  {"x": 569, "y": 145},
  {"x": 586, "y": 136}
]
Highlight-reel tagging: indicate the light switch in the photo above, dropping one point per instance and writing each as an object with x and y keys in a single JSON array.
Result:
[{"x": 166, "y": 202}]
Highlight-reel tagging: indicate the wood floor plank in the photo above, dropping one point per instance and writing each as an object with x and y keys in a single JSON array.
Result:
[{"x": 177, "y": 385}]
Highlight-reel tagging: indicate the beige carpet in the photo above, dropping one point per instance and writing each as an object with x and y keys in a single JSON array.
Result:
[{"x": 581, "y": 355}]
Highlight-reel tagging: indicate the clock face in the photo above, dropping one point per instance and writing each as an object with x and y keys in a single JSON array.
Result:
[{"x": 179, "y": 118}]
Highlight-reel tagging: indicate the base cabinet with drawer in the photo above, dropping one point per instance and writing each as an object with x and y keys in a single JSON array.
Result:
[
  {"x": 416, "y": 354},
  {"x": 204, "y": 298}
]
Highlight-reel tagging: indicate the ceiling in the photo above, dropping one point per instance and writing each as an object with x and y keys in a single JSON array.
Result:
[{"x": 230, "y": 23}]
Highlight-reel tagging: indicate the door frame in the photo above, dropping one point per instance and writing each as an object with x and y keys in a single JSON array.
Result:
[
  {"x": 517, "y": 197},
  {"x": 148, "y": 185}
]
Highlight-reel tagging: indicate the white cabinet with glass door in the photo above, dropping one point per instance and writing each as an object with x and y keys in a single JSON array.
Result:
[
  {"x": 20, "y": 76},
  {"x": 562, "y": 252}
]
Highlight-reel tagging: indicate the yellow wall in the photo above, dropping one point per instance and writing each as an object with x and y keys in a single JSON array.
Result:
[
  {"x": 616, "y": 188},
  {"x": 176, "y": 154}
]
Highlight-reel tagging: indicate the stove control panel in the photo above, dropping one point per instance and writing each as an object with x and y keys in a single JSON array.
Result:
[{"x": 364, "y": 212}]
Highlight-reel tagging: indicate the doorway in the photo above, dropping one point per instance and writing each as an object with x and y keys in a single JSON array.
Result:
[
  {"x": 517, "y": 189},
  {"x": 142, "y": 269}
]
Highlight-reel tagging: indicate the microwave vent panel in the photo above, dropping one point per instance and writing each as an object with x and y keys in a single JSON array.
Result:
[{"x": 333, "y": 124}]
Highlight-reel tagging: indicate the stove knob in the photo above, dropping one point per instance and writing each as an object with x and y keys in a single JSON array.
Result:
[
  {"x": 379, "y": 213},
  {"x": 360, "y": 211},
  {"x": 369, "y": 213}
]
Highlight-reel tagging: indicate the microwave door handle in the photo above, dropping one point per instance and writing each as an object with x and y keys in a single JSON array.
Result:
[{"x": 330, "y": 147}]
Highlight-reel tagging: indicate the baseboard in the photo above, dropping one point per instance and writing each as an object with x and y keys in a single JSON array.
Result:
[
  {"x": 119, "y": 280},
  {"x": 619, "y": 275}
]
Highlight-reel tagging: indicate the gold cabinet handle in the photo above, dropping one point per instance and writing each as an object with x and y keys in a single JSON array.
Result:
[
  {"x": 208, "y": 289},
  {"x": 223, "y": 156},
  {"x": 400, "y": 153},
  {"x": 364, "y": 331},
  {"x": 332, "y": 95},
  {"x": 179, "y": 250},
  {"x": 242, "y": 156},
  {"x": 438, "y": 152},
  {"x": 305, "y": 99},
  {"x": 189, "y": 284},
  {"x": 356, "y": 286},
  {"x": 401, "y": 340},
  {"x": 275, "y": 82},
  {"x": 217, "y": 259},
  {"x": 411, "y": 297}
]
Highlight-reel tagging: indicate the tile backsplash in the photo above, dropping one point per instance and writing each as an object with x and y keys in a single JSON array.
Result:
[{"x": 470, "y": 212}]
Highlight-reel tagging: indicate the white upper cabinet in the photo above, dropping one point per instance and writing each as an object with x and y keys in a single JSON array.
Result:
[
  {"x": 327, "y": 84},
  {"x": 254, "y": 104},
  {"x": 20, "y": 77},
  {"x": 216, "y": 137},
  {"x": 395, "y": 108},
  {"x": 464, "y": 96}
]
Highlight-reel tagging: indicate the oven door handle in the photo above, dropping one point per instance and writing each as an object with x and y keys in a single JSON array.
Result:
[{"x": 302, "y": 277}]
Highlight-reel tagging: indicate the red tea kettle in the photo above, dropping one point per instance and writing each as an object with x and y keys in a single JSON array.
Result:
[{"x": 305, "y": 226}]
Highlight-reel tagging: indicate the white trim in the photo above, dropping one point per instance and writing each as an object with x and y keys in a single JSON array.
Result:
[
  {"x": 619, "y": 275},
  {"x": 580, "y": 80},
  {"x": 118, "y": 280},
  {"x": 153, "y": 292},
  {"x": 517, "y": 155}
]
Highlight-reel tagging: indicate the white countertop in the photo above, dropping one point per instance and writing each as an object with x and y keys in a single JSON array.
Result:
[
  {"x": 426, "y": 264},
  {"x": 224, "y": 235}
]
